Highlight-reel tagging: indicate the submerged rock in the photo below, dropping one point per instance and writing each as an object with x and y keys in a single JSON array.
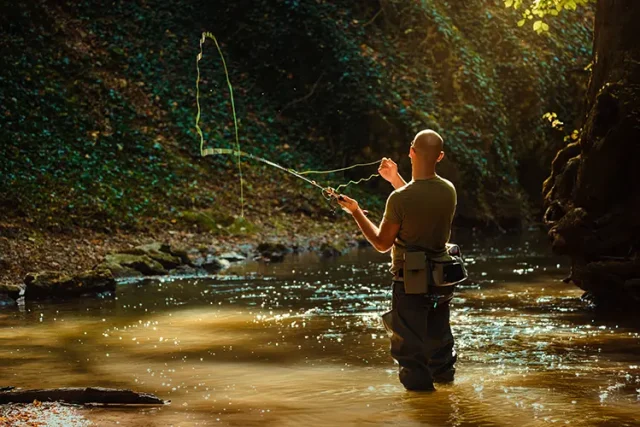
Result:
[
  {"x": 273, "y": 252},
  {"x": 362, "y": 242},
  {"x": 185, "y": 270},
  {"x": 195, "y": 258},
  {"x": 232, "y": 256},
  {"x": 10, "y": 291},
  {"x": 53, "y": 284},
  {"x": 214, "y": 264},
  {"x": 9, "y": 294},
  {"x": 329, "y": 250}
]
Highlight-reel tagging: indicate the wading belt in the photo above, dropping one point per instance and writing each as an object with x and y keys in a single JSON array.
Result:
[{"x": 423, "y": 274}]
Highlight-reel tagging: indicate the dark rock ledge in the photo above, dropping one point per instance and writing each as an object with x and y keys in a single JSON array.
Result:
[{"x": 155, "y": 259}]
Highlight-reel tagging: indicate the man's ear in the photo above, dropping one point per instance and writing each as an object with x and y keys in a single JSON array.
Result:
[{"x": 441, "y": 156}]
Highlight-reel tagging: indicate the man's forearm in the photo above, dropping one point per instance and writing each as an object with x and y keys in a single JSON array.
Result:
[
  {"x": 398, "y": 182},
  {"x": 369, "y": 229}
]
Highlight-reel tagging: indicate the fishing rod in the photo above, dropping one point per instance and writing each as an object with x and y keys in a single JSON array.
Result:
[{"x": 228, "y": 151}]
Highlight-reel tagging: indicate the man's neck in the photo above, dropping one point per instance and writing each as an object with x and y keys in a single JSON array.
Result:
[{"x": 418, "y": 174}]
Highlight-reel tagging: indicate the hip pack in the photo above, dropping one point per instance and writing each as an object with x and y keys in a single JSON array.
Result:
[{"x": 421, "y": 272}]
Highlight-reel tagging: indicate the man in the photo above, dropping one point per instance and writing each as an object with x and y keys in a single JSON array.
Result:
[{"x": 417, "y": 217}]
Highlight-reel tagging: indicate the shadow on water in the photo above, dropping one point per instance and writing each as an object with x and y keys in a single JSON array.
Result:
[{"x": 300, "y": 343}]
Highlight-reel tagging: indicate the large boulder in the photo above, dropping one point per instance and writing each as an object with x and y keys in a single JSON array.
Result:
[
  {"x": 142, "y": 263},
  {"x": 54, "y": 284},
  {"x": 159, "y": 252},
  {"x": 167, "y": 261},
  {"x": 182, "y": 254},
  {"x": 119, "y": 271}
]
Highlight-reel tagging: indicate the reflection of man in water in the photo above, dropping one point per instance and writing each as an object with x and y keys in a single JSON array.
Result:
[{"x": 418, "y": 217}]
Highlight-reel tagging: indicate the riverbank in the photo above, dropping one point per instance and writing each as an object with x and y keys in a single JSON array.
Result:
[{"x": 25, "y": 250}]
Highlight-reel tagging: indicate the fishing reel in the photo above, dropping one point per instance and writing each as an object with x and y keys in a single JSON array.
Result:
[
  {"x": 331, "y": 197},
  {"x": 329, "y": 194}
]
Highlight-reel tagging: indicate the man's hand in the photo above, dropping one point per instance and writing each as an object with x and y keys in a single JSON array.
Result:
[
  {"x": 347, "y": 203},
  {"x": 388, "y": 169}
]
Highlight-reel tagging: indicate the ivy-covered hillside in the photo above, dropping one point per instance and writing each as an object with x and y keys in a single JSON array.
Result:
[{"x": 97, "y": 101}]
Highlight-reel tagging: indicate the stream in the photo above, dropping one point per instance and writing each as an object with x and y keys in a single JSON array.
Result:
[{"x": 300, "y": 343}]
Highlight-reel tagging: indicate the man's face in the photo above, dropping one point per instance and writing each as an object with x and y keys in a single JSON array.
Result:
[{"x": 412, "y": 151}]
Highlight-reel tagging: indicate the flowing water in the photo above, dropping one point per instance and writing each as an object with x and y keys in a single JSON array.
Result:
[{"x": 300, "y": 343}]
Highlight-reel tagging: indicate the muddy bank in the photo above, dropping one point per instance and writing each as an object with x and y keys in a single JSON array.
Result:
[
  {"x": 40, "y": 264},
  {"x": 42, "y": 414}
]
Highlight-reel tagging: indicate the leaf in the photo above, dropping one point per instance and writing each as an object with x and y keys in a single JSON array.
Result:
[
  {"x": 521, "y": 22},
  {"x": 508, "y": 3},
  {"x": 537, "y": 25}
]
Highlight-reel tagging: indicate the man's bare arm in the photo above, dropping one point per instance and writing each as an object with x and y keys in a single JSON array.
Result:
[
  {"x": 389, "y": 171},
  {"x": 381, "y": 238},
  {"x": 398, "y": 182}
]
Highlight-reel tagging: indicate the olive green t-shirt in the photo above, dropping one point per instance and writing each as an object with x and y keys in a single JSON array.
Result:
[{"x": 424, "y": 209}]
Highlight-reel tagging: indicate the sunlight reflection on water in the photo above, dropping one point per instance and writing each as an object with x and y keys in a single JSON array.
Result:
[{"x": 300, "y": 343}]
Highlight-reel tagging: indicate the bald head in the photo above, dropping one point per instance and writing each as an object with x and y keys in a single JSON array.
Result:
[{"x": 428, "y": 146}]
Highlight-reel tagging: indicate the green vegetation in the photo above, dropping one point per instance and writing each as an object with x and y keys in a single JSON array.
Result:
[
  {"x": 98, "y": 104},
  {"x": 535, "y": 10}
]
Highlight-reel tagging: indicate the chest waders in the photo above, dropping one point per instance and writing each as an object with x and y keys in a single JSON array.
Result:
[{"x": 418, "y": 322}]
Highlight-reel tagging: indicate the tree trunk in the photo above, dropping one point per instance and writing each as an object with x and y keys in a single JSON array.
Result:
[{"x": 592, "y": 197}]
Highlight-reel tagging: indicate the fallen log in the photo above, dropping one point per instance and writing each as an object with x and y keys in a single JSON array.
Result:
[{"x": 81, "y": 396}]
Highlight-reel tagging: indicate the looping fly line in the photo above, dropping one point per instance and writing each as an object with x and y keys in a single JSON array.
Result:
[{"x": 327, "y": 192}]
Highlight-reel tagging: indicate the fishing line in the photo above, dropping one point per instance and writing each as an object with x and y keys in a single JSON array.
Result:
[
  {"x": 233, "y": 109},
  {"x": 327, "y": 192},
  {"x": 211, "y": 151}
]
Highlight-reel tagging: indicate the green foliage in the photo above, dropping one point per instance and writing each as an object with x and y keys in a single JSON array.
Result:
[
  {"x": 532, "y": 9},
  {"x": 553, "y": 119},
  {"x": 98, "y": 102}
]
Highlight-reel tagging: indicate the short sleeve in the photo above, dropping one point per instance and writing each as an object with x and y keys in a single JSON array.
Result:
[{"x": 393, "y": 211}]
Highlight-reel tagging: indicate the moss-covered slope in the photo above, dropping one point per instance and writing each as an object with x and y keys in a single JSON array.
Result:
[{"x": 98, "y": 102}]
